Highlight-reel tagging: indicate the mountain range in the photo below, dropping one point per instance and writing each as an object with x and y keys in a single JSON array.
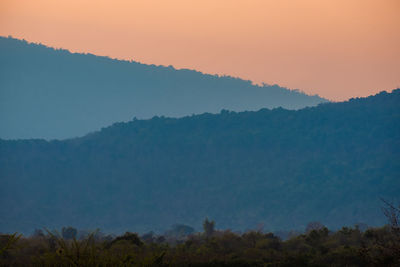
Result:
[
  {"x": 55, "y": 94},
  {"x": 277, "y": 167}
]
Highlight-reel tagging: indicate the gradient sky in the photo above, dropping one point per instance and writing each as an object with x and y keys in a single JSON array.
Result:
[{"x": 337, "y": 49}]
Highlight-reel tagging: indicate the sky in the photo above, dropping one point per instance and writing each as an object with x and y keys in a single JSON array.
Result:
[{"x": 335, "y": 48}]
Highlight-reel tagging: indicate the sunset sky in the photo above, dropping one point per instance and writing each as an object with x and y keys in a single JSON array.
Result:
[{"x": 337, "y": 49}]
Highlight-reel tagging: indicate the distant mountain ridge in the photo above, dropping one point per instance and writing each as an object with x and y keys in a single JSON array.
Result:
[
  {"x": 281, "y": 168},
  {"x": 54, "y": 94}
]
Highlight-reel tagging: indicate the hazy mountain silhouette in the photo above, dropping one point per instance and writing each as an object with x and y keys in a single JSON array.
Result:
[
  {"x": 52, "y": 93},
  {"x": 283, "y": 168}
]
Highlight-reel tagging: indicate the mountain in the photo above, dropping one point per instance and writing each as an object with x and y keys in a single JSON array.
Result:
[
  {"x": 282, "y": 168},
  {"x": 54, "y": 94}
]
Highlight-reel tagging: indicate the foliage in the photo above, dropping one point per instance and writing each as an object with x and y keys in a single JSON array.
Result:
[
  {"x": 321, "y": 247},
  {"x": 208, "y": 227},
  {"x": 392, "y": 213},
  {"x": 9, "y": 241}
]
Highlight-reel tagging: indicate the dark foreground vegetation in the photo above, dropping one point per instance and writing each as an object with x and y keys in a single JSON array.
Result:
[{"x": 316, "y": 247}]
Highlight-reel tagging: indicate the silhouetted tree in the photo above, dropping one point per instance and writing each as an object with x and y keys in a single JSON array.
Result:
[
  {"x": 208, "y": 227},
  {"x": 392, "y": 213},
  {"x": 128, "y": 236},
  {"x": 314, "y": 226}
]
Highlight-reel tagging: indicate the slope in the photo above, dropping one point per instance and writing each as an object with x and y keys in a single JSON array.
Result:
[
  {"x": 54, "y": 94},
  {"x": 282, "y": 168}
]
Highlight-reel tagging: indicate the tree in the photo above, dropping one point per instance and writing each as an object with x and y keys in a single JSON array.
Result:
[
  {"x": 132, "y": 238},
  {"x": 209, "y": 227},
  {"x": 314, "y": 226},
  {"x": 392, "y": 213}
]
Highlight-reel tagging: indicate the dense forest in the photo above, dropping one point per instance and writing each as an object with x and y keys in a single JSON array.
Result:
[
  {"x": 278, "y": 168},
  {"x": 54, "y": 94}
]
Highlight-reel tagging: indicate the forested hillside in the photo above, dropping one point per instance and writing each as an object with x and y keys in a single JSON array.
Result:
[
  {"x": 54, "y": 94},
  {"x": 282, "y": 168}
]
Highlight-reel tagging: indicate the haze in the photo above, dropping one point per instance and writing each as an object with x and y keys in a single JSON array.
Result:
[{"x": 337, "y": 49}]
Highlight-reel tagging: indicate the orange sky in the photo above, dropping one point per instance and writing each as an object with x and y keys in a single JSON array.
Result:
[{"x": 335, "y": 48}]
